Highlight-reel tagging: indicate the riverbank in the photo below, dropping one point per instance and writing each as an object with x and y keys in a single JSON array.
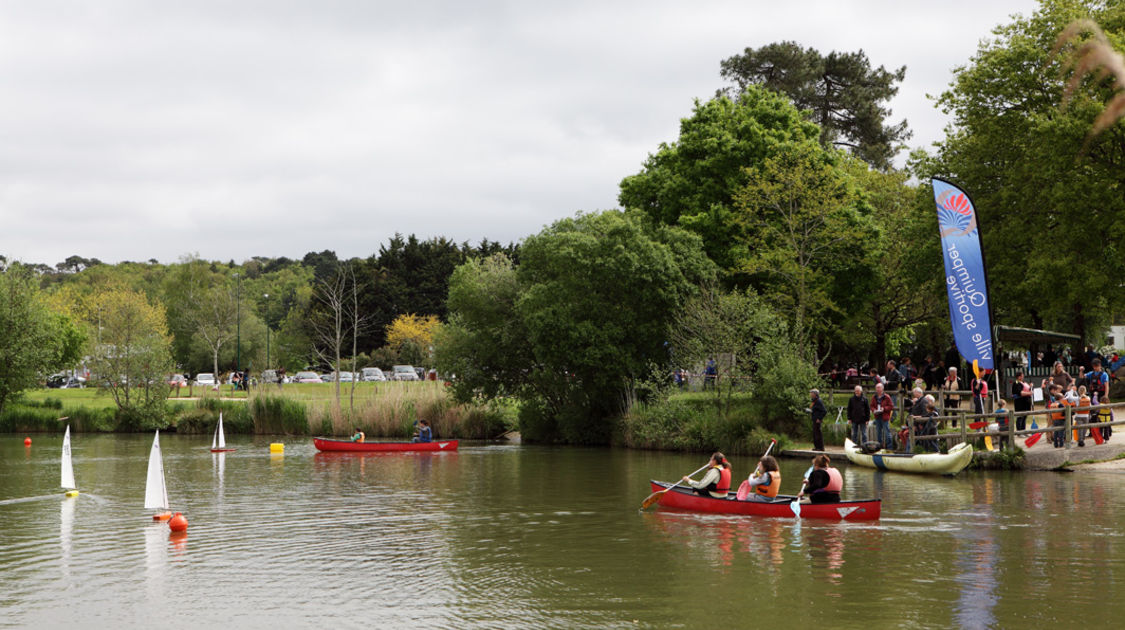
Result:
[{"x": 379, "y": 409}]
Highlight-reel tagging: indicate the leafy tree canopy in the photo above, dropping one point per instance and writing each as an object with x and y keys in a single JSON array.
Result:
[
  {"x": 1052, "y": 215},
  {"x": 691, "y": 182},
  {"x": 841, "y": 91}
]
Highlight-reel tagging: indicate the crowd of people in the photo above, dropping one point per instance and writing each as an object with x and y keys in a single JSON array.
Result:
[{"x": 1059, "y": 390}]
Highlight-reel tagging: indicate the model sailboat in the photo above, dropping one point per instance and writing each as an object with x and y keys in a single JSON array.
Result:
[
  {"x": 156, "y": 493},
  {"x": 219, "y": 441},
  {"x": 68, "y": 468}
]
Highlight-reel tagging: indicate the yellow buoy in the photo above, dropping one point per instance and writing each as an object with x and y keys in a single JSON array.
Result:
[
  {"x": 71, "y": 493},
  {"x": 277, "y": 447}
]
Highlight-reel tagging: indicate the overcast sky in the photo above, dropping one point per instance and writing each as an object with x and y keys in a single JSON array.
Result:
[{"x": 138, "y": 130}]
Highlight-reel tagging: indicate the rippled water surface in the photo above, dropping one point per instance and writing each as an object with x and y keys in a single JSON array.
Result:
[{"x": 499, "y": 536}]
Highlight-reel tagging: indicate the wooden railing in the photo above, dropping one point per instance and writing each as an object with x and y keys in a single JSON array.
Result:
[{"x": 1011, "y": 433}]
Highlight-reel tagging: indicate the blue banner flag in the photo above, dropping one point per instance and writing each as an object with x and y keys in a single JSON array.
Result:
[{"x": 965, "y": 280}]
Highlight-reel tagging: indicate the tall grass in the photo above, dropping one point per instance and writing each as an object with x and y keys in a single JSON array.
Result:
[{"x": 278, "y": 415}]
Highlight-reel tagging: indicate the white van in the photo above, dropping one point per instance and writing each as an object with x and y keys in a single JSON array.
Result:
[
  {"x": 405, "y": 373},
  {"x": 371, "y": 374}
]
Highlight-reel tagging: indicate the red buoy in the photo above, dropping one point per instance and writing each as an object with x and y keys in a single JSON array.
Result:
[
  {"x": 27, "y": 441},
  {"x": 178, "y": 523}
]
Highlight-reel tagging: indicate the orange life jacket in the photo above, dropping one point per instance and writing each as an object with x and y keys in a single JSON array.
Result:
[
  {"x": 1083, "y": 406},
  {"x": 770, "y": 490},
  {"x": 1055, "y": 404}
]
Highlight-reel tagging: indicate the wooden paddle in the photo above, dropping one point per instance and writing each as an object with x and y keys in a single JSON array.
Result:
[{"x": 655, "y": 496}]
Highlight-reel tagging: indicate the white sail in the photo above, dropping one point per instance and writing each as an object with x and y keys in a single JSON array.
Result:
[
  {"x": 67, "y": 468},
  {"x": 219, "y": 441},
  {"x": 156, "y": 494}
]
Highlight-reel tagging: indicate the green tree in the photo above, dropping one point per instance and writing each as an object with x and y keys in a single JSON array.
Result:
[
  {"x": 133, "y": 359},
  {"x": 592, "y": 303},
  {"x": 34, "y": 341},
  {"x": 840, "y": 90},
  {"x": 485, "y": 343},
  {"x": 1051, "y": 213},
  {"x": 901, "y": 280},
  {"x": 800, "y": 215},
  {"x": 692, "y": 182}
]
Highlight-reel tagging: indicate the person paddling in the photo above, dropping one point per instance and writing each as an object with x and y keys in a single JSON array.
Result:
[
  {"x": 716, "y": 481},
  {"x": 424, "y": 433},
  {"x": 764, "y": 486},
  {"x": 824, "y": 483},
  {"x": 359, "y": 436}
]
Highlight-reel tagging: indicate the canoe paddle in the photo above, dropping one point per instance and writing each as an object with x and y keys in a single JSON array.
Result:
[{"x": 655, "y": 496}]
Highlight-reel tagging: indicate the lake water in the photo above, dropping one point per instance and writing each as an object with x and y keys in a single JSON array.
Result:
[{"x": 508, "y": 536}]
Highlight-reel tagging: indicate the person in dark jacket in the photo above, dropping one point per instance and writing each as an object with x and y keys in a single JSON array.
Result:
[
  {"x": 859, "y": 412},
  {"x": 817, "y": 411}
]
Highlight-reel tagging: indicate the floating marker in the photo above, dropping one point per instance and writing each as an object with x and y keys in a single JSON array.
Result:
[
  {"x": 178, "y": 523},
  {"x": 27, "y": 441},
  {"x": 277, "y": 447}
]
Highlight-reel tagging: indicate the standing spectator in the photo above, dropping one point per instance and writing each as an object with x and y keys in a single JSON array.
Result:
[
  {"x": 892, "y": 377},
  {"x": 949, "y": 385},
  {"x": 1061, "y": 377},
  {"x": 1021, "y": 395},
  {"x": 859, "y": 411},
  {"x": 979, "y": 387},
  {"x": 906, "y": 368},
  {"x": 817, "y": 411},
  {"x": 932, "y": 373},
  {"x": 1001, "y": 414},
  {"x": 882, "y": 408},
  {"x": 1058, "y": 418},
  {"x": 280, "y": 377},
  {"x": 710, "y": 374},
  {"x": 1097, "y": 382}
]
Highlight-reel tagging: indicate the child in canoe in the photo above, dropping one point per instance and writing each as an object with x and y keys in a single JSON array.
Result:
[{"x": 763, "y": 484}]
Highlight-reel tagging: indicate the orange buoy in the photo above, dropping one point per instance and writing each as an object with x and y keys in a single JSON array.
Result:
[
  {"x": 161, "y": 516},
  {"x": 178, "y": 523},
  {"x": 27, "y": 441}
]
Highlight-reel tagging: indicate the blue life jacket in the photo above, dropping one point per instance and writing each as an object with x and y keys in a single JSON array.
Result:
[{"x": 425, "y": 435}]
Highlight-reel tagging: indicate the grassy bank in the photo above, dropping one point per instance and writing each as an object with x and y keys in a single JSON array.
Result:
[{"x": 378, "y": 409}]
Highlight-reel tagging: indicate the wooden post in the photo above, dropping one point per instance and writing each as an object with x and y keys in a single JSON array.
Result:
[
  {"x": 964, "y": 427},
  {"x": 910, "y": 437},
  {"x": 1068, "y": 427},
  {"x": 1011, "y": 430}
]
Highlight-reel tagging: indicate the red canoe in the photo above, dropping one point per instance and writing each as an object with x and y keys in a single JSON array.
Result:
[
  {"x": 686, "y": 499},
  {"x": 325, "y": 444}
]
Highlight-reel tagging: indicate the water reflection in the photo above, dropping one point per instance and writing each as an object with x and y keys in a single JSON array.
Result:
[{"x": 66, "y": 531}]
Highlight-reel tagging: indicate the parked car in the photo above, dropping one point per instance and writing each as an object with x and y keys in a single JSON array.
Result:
[
  {"x": 65, "y": 381},
  {"x": 269, "y": 376},
  {"x": 373, "y": 374},
  {"x": 177, "y": 380},
  {"x": 205, "y": 379},
  {"x": 307, "y": 377},
  {"x": 405, "y": 373}
]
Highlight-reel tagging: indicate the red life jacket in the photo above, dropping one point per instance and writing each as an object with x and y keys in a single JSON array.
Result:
[{"x": 724, "y": 480}]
